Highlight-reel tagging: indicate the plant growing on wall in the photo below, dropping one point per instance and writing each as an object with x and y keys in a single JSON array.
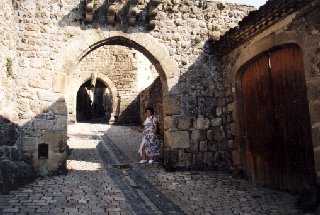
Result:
[
  {"x": 90, "y": 7},
  {"x": 95, "y": 4},
  {"x": 9, "y": 67}
]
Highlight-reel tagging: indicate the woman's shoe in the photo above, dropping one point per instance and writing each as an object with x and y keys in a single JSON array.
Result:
[{"x": 143, "y": 161}]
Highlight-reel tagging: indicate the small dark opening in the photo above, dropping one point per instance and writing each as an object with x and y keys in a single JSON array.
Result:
[
  {"x": 43, "y": 151},
  {"x": 94, "y": 103}
]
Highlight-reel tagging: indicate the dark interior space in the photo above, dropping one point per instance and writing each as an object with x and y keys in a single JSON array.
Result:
[{"x": 94, "y": 102}]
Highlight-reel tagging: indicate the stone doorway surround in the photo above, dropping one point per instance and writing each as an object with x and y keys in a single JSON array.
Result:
[{"x": 259, "y": 44}]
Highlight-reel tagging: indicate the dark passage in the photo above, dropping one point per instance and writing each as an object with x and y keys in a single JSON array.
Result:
[{"x": 94, "y": 102}]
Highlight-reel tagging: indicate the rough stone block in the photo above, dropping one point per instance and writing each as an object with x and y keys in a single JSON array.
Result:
[
  {"x": 197, "y": 136},
  {"x": 43, "y": 124},
  {"x": 208, "y": 158},
  {"x": 233, "y": 128},
  {"x": 184, "y": 123},
  {"x": 8, "y": 132},
  {"x": 177, "y": 139},
  {"x": 212, "y": 146},
  {"x": 313, "y": 89},
  {"x": 219, "y": 134},
  {"x": 59, "y": 107},
  {"x": 42, "y": 84},
  {"x": 203, "y": 146},
  {"x": 236, "y": 158},
  {"x": 230, "y": 144},
  {"x": 210, "y": 135},
  {"x": 46, "y": 96},
  {"x": 169, "y": 122},
  {"x": 61, "y": 123},
  {"x": 202, "y": 123},
  {"x": 194, "y": 147},
  {"x": 171, "y": 105},
  {"x": 316, "y": 135},
  {"x": 315, "y": 111},
  {"x": 219, "y": 111}
]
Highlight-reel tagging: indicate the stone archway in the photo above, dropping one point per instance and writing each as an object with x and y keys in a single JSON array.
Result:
[
  {"x": 144, "y": 43},
  {"x": 71, "y": 96},
  {"x": 79, "y": 47}
]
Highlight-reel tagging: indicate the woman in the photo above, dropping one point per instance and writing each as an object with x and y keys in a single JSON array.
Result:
[{"x": 150, "y": 146}]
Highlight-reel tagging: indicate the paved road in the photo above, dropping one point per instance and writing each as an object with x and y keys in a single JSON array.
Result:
[{"x": 104, "y": 178}]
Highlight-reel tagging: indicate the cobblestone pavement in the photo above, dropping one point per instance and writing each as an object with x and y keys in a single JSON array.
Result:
[
  {"x": 87, "y": 189},
  {"x": 104, "y": 178},
  {"x": 205, "y": 192}
]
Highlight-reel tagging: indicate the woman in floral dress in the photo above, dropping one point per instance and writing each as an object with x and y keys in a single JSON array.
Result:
[{"x": 150, "y": 145}]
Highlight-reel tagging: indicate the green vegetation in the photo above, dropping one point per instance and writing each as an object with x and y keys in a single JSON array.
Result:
[{"x": 9, "y": 67}]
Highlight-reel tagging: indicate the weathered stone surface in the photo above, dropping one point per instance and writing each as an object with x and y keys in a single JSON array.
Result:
[
  {"x": 315, "y": 111},
  {"x": 202, "y": 123},
  {"x": 59, "y": 107},
  {"x": 184, "y": 123},
  {"x": 47, "y": 96},
  {"x": 14, "y": 173},
  {"x": 316, "y": 135},
  {"x": 170, "y": 122},
  {"x": 197, "y": 136},
  {"x": 210, "y": 135},
  {"x": 216, "y": 122},
  {"x": 171, "y": 105},
  {"x": 8, "y": 132},
  {"x": 59, "y": 83},
  {"x": 177, "y": 139},
  {"x": 203, "y": 146}
]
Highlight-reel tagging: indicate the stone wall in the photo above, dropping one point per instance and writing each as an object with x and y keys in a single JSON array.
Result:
[
  {"x": 51, "y": 38},
  {"x": 301, "y": 28},
  {"x": 15, "y": 169},
  {"x": 196, "y": 130}
]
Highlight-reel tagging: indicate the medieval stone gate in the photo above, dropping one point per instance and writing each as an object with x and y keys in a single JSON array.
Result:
[{"x": 52, "y": 54}]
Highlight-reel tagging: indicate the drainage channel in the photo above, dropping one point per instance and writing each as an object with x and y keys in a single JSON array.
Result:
[{"x": 142, "y": 196}]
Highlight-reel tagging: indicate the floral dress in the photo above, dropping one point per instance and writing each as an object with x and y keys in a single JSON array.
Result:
[{"x": 150, "y": 142}]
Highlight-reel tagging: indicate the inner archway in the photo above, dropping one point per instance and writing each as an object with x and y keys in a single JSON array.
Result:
[{"x": 94, "y": 102}]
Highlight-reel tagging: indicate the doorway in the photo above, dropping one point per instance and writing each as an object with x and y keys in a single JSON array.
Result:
[
  {"x": 94, "y": 102},
  {"x": 273, "y": 112}
]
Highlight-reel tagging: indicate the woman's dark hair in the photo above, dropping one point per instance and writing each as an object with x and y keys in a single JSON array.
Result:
[{"x": 150, "y": 109}]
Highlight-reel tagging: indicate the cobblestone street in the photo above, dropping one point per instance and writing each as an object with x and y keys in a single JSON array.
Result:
[{"x": 104, "y": 178}]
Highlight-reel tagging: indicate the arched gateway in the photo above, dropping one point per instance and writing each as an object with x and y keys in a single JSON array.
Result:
[
  {"x": 156, "y": 53},
  {"x": 81, "y": 47}
]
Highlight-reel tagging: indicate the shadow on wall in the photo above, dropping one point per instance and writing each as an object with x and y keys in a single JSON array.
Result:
[
  {"x": 38, "y": 147},
  {"x": 151, "y": 96},
  {"x": 200, "y": 131},
  {"x": 130, "y": 115}
]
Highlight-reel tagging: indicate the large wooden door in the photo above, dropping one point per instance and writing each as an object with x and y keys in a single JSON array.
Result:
[{"x": 274, "y": 120}]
